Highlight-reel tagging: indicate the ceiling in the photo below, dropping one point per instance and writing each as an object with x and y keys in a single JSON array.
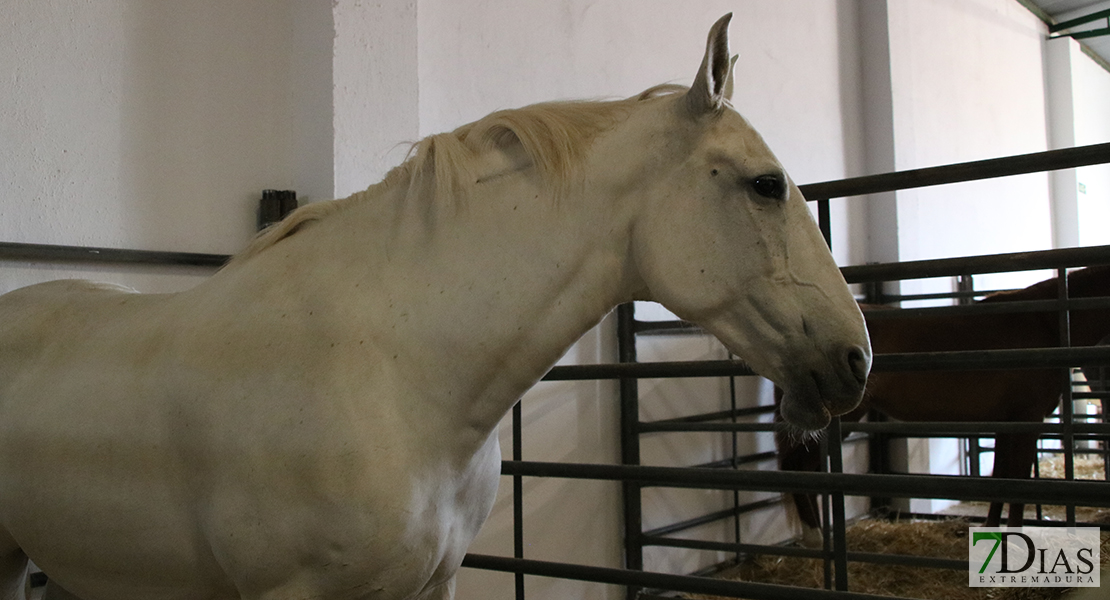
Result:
[{"x": 1059, "y": 11}]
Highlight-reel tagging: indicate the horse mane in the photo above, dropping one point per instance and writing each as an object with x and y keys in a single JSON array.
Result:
[
  {"x": 441, "y": 167},
  {"x": 1082, "y": 283}
]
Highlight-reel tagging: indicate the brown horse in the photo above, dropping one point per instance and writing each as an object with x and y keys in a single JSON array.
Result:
[{"x": 996, "y": 395}]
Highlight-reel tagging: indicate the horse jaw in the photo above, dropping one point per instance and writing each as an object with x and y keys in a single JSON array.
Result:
[{"x": 819, "y": 360}]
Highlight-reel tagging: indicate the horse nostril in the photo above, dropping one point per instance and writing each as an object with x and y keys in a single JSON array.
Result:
[{"x": 859, "y": 363}]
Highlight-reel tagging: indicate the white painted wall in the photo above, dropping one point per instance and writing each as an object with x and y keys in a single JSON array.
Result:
[
  {"x": 133, "y": 124},
  {"x": 375, "y": 89},
  {"x": 1092, "y": 126},
  {"x": 1060, "y": 94},
  {"x": 1078, "y": 93},
  {"x": 949, "y": 108}
]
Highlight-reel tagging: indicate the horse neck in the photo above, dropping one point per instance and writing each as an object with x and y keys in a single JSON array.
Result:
[{"x": 478, "y": 300}]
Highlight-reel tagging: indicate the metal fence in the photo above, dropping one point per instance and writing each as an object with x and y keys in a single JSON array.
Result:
[{"x": 635, "y": 478}]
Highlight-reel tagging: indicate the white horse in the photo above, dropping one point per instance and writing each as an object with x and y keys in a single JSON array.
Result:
[{"x": 317, "y": 420}]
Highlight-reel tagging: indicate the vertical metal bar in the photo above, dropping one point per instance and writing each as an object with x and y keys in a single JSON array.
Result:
[
  {"x": 966, "y": 284},
  {"x": 840, "y": 533},
  {"x": 824, "y": 220},
  {"x": 1037, "y": 475},
  {"x": 735, "y": 463},
  {"x": 878, "y": 450},
  {"x": 826, "y": 518},
  {"x": 1103, "y": 441},
  {"x": 630, "y": 443},
  {"x": 518, "y": 498},
  {"x": 873, "y": 292},
  {"x": 973, "y": 451},
  {"x": 1067, "y": 420}
]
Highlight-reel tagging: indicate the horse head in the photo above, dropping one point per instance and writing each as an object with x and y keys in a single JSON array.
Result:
[{"x": 725, "y": 240}]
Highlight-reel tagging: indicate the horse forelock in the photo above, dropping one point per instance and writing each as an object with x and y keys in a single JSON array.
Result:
[{"x": 442, "y": 168}]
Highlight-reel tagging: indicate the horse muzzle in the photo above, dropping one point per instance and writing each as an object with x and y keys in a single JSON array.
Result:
[{"x": 811, "y": 397}]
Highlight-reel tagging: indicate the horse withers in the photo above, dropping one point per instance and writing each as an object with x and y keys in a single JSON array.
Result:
[
  {"x": 317, "y": 420},
  {"x": 1027, "y": 395}
]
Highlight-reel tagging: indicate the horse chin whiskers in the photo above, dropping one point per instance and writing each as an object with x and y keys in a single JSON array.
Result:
[{"x": 803, "y": 437}]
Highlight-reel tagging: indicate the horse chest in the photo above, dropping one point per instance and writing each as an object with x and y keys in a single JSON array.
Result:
[{"x": 399, "y": 528}]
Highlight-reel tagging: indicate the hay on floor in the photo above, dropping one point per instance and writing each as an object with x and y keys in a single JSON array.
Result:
[
  {"x": 1087, "y": 466},
  {"x": 939, "y": 539}
]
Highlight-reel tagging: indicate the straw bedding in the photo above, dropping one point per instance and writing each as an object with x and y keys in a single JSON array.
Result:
[{"x": 940, "y": 539}]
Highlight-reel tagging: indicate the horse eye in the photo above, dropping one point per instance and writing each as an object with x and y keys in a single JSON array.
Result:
[{"x": 769, "y": 186}]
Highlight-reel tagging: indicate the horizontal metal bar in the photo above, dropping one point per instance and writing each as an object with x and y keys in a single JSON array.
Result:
[
  {"x": 932, "y": 434},
  {"x": 969, "y": 171},
  {"x": 685, "y": 426},
  {"x": 974, "y": 428},
  {"x": 1075, "y": 451},
  {"x": 1090, "y": 33},
  {"x": 711, "y": 518},
  {"x": 662, "y": 370},
  {"x": 83, "y": 254},
  {"x": 687, "y": 524},
  {"x": 892, "y": 298},
  {"x": 967, "y": 360},
  {"x": 990, "y": 263},
  {"x": 989, "y": 308},
  {"x": 953, "y": 487},
  {"x": 976, "y": 360},
  {"x": 747, "y": 459},
  {"x": 1021, "y": 306},
  {"x": 901, "y": 428},
  {"x": 665, "y": 327},
  {"x": 662, "y": 581},
  {"x": 1089, "y": 396},
  {"x": 1083, "y": 20},
  {"x": 905, "y": 560},
  {"x": 795, "y": 551},
  {"x": 915, "y": 516},
  {"x": 724, "y": 414},
  {"x": 945, "y": 267}
]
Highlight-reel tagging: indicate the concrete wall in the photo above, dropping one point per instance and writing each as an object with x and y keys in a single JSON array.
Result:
[
  {"x": 1078, "y": 91},
  {"x": 153, "y": 125},
  {"x": 948, "y": 108},
  {"x": 376, "y": 90}
]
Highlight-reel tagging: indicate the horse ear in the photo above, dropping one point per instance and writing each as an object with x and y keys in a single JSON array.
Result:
[
  {"x": 708, "y": 90},
  {"x": 731, "y": 76}
]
